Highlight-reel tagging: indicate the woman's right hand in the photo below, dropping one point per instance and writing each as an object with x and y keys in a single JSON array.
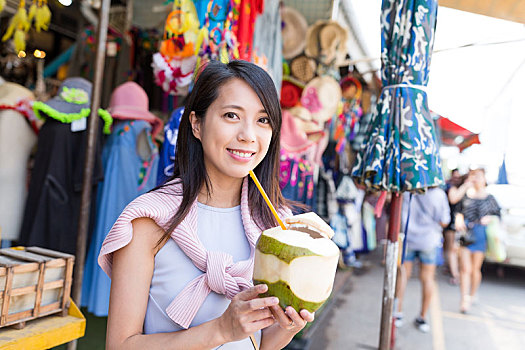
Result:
[
  {"x": 460, "y": 223},
  {"x": 246, "y": 314}
]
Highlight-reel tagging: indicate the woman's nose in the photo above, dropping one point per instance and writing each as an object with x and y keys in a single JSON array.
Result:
[{"x": 247, "y": 133}]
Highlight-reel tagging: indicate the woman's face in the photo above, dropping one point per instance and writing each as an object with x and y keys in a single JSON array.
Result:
[
  {"x": 478, "y": 178},
  {"x": 235, "y": 133}
]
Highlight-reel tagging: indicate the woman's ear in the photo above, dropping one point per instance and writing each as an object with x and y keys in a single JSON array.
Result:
[{"x": 195, "y": 125}]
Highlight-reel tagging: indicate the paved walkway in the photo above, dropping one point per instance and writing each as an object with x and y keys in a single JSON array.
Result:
[{"x": 496, "y": 322}]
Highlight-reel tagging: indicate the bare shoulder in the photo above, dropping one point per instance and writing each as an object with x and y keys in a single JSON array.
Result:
[{"x": 147, "y": 234}]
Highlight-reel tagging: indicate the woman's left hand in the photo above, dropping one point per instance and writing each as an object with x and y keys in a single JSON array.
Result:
[
  {"x": 287, "y": 325},
  {"x": 290, "y": 320},
  {"x": 485, "y": 220}
]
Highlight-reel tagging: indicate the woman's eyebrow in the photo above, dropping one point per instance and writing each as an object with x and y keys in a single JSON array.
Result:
[
  {"x": 242, "y": 109},
  {"x": 234, "y": 107}
]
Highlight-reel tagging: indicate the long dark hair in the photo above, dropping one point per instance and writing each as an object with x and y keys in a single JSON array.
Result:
[{"x": 189, "y": 168}]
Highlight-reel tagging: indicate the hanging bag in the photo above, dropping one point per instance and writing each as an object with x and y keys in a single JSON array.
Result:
[{"x": 496, "y": 250}]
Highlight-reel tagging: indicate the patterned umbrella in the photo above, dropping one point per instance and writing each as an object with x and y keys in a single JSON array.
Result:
[{"x": 401, "y": 153}]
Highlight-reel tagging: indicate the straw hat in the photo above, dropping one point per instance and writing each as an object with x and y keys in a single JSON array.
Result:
[
  {"x": 304, "y": 120},
  {"x": 303, "y": 68},
  {"x": 293, "y": 32},
  {"x": 326, "y": 40},
  {"x": 321, "y": 96}
]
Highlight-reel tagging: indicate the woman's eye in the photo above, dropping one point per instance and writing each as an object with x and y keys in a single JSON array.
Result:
[
  {"x": 230, "y": 115},
  {"x": 264, "y": 120}
]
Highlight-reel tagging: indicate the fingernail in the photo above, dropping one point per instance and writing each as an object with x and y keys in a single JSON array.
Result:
[
  {"x": 262, "y": 287},
  {"x": 275, "y": 300}
]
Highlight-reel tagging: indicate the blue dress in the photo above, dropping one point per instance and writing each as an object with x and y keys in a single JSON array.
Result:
[
  {"x": 167, "y": 152},
  {"x": 126, "y": 176}
]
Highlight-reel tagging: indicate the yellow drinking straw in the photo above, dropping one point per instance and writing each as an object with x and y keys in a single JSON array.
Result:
[{"x": 265, "y": 196}]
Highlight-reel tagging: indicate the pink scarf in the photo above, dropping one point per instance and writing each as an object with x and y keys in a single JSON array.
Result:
[{"x": 220, "y": 274}]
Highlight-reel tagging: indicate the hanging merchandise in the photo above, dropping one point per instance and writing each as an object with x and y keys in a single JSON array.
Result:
[
  {"x": 130, "y": 159},
  {"x": 174, "y": 64},
  {"x": 72, "y": 106},
  {"x": 217, "y": 40},
  {"x": 293, "y": 139},
  {"x": 53, "y": 204},
  {"x": 244, "y": 31},
  {"x": 303, "y": 68},
  {"x": 326, "y": 202},
  {"x": 294, "y": 29},
  {"x": 322, "y": 96},
  {"x": 167, "y": 152},
  {"x": 297, "y": 178},
  {"x": 267, "y": 41},
  {"x": 367, "y": 104},
  {"x": 300, "y": 156},
  {"x": 304, "y": 120},
  {"x": 345, "y": 125},
  {"x": 129, "y": 101},
  {"x": 20, "y": 23},
  {"x": 290, "y": 94},
  {"x": 326, "y": 42},
  {"x": 17, "y": 139}
]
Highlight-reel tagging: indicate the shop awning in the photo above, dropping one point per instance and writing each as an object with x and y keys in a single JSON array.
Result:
[
  {"x": 453, "y": 134},
  {"x": 510, "y": 10}
]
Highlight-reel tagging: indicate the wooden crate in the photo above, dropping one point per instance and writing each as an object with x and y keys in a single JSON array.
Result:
[{"x": 34, "y": 282}]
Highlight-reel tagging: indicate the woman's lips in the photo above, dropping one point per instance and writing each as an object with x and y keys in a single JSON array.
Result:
[{"x": 241, "y": 155}]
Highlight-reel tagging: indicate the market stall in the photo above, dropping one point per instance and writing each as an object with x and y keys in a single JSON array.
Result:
[{"x": 120, "y": 88}]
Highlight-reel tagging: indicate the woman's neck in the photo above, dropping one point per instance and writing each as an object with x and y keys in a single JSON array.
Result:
[
  {"x": 224, "y": 193},
  {"x": 478, "y": 192}
]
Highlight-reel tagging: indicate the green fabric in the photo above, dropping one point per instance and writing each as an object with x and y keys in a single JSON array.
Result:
[{"x": 40, "y": 107}]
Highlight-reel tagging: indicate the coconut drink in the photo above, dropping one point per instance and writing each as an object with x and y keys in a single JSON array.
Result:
[{"x": 298, "y": 264}]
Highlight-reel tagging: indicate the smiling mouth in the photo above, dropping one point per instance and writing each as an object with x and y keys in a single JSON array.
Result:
[{"x": 242, "y": 154}]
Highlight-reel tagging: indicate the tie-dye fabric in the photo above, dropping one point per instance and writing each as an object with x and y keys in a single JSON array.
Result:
[{"x": 401, "y": 152}]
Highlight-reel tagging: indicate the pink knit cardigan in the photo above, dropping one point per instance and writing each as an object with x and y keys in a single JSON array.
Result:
[{"x": 220, "y": 274}]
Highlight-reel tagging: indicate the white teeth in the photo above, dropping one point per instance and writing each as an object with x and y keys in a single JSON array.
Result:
[{"x": 241, "y": 154}]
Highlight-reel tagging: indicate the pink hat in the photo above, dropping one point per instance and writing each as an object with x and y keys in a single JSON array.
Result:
[
  {"x": 293, "y": 139},
  {"x": 130, "y": 101}
]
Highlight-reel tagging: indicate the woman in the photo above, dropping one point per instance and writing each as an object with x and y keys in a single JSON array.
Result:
[
  {"x": 181, "y": 256},
  {"x": 456, "y": 189},
  {"x": 473, "y": 216}
]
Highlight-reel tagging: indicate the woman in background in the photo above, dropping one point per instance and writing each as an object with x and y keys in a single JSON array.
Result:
[{"x": 473, "y": 216}]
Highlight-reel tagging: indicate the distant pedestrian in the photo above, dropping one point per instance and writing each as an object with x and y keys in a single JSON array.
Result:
[
  {"x": 450, "y": 245},
  {"x": 429, "y": 213},
  {"x": 473, "y": 216}
]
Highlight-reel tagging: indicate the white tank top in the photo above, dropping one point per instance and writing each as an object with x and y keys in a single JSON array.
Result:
[{"x": 219, "y": 229}]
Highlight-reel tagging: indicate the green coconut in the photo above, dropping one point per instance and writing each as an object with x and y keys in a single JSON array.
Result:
[{"x": 298, "y": 268}]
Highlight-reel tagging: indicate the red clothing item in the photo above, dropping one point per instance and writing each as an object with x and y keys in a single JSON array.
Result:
[{"x": 247, "y": 16}]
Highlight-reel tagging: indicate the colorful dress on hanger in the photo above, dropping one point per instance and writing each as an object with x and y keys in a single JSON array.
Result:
[
  {"x": 218, "y": 12},
  {"x": 297, "y": 178},
  {"x": 130, "y": 159},
  {"x": 167, "y": 152}
]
